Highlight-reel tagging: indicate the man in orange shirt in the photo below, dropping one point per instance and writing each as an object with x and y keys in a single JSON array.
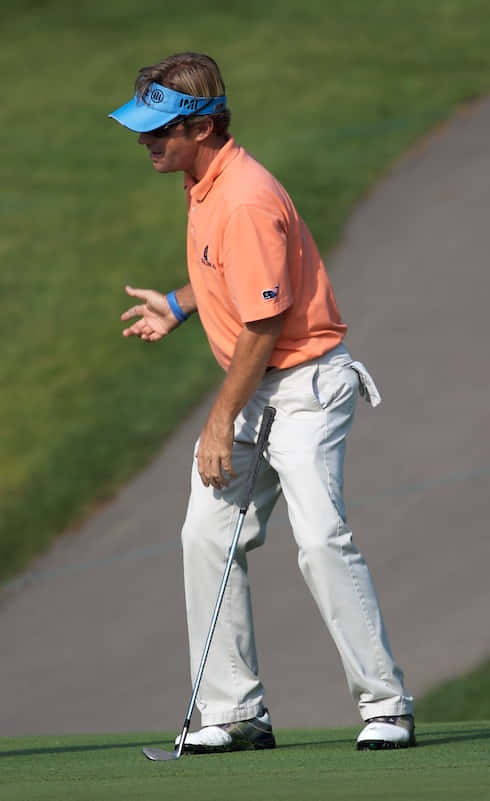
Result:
[{"x": 270, "y": 315}]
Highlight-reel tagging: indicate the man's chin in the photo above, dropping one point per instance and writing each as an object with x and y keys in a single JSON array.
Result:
[{"x": 162, "y": 168}]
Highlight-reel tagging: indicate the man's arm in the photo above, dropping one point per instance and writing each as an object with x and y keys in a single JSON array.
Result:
[
  {"x": 252, "y": 352},
  {"x": 157, "y": 318}
]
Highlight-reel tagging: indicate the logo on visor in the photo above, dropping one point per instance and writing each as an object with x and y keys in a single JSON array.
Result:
[
  {"x": 189, "y": 103},
  {"x": 270, "y": 294},
  {"x": 157, "y": 96}
]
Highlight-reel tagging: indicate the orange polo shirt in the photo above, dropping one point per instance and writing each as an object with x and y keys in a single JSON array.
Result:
[{"x": 250, "y": 256}]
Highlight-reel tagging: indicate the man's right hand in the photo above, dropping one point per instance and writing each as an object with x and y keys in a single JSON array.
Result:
[{"x": 156, "y": 317}]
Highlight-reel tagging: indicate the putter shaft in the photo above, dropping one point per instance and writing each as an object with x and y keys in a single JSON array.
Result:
[{"x": 157, "y": 754}]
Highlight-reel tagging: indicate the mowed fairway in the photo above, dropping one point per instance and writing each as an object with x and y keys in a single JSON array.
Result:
[{"x": 451, "y": 763}]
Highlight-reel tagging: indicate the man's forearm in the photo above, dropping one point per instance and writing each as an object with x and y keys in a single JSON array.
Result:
[{"x": 251, "y": 357}]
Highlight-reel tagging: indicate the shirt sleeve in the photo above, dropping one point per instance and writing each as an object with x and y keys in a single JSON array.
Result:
[{"x": 255, "y": 263}]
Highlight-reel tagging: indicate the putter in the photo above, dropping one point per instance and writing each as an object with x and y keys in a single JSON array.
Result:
[{"x": 157, "y": 754}]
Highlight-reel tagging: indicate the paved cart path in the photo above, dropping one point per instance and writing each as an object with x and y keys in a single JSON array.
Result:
[{"x": 95, "y": 640}]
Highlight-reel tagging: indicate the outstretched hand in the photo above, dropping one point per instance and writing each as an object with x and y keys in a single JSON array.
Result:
[{"x": 156, "y": 317}]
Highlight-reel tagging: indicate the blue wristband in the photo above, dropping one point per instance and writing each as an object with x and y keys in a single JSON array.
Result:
[{"x": 176, "y": 310}]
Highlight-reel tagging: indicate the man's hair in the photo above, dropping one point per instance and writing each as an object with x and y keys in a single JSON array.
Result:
[{"x": 193, "y": 74}]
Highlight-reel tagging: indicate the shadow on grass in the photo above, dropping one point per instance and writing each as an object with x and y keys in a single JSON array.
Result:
[
  {"x": 424, "y": 739},
  {"x": 443, "y": 737},
  {"x": 73, "y": 749},
  {"x": 281, "y": 746}
]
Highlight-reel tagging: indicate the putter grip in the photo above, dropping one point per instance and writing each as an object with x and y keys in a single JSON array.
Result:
[{"x": 265, "y": 428}]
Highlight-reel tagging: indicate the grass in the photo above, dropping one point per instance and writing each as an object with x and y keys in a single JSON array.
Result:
[
  {"x": 450, "y": 763},
  {"x": 464, "y": 698},
  {"x": 327, "y": 95}
]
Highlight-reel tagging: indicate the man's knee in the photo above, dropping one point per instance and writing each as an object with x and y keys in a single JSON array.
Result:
[{"x": 208, "y": 527}]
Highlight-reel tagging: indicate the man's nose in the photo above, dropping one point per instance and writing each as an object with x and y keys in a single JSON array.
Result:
[{"x": 144, "y": 139}]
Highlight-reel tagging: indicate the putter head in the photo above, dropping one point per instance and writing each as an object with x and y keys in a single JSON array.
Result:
[{"x": 158, "y": 755}]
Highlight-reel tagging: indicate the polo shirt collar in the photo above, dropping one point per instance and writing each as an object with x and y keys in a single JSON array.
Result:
[{"x": 225, "y": 155}]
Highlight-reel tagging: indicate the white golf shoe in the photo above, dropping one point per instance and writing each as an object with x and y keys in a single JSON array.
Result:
[
  {"x": 396, "y": 731},
  {"x": 244, "y": 735}
]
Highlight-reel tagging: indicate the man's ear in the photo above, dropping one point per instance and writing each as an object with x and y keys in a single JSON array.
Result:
[{"x": 203, "y": 129}]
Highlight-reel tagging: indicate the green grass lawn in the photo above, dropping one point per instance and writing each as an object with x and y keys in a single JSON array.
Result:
[
  {"x": 326, "y": 94},
  {"x": 450, "y": 763},
  {"x": 466, "y": 697}
]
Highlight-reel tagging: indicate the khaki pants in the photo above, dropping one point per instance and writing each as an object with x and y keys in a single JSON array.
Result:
[{"x": 315, "y": 405}]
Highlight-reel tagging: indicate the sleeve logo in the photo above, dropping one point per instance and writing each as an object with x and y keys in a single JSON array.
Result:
[{"x": 270, "y": 294}]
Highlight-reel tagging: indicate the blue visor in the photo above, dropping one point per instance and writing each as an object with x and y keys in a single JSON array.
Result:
[{"x": 160, "y": 106}]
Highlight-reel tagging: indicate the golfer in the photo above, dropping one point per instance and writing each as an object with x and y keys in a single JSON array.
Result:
[{"x": 265, "y": 301}]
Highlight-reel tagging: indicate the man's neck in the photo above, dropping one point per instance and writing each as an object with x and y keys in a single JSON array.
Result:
[{"x": 206, "y": 154}]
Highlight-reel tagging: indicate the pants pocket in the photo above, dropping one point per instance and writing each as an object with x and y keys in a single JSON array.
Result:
[
  {"x": 367, "y": 388},
  {"x": 330, "y": 383}
]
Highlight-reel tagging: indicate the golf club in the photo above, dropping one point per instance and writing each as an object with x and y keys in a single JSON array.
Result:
[{"x": 157, "y": 754}]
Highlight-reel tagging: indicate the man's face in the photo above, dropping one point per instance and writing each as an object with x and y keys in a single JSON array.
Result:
[{"x": 175, "y": 151}]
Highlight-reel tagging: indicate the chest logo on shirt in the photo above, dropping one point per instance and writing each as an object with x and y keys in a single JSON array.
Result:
[
  {"x": 205, "y": 260},
  {"x": 270, "y": 294}
]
